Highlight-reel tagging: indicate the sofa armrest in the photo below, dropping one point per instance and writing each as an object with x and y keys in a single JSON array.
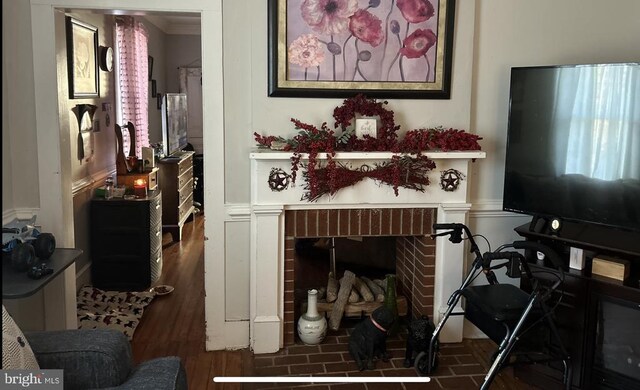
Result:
[
  {"x": 90, "y": 358},
  {"x": 165, "y": 373}
]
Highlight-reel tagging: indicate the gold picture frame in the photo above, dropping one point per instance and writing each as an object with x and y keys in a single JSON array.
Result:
[{"x": 82, "y": 59}]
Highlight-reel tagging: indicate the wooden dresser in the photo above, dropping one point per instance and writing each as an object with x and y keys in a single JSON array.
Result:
[
  {"x": 176, "y": 182},
  {"x": 126, "y": 242}
]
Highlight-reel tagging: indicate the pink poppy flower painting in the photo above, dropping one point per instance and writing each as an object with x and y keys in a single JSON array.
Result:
[
  {"x": 416, "y": 11},
  {"x": 362, "y": 41},
  {"x": 306, "y": 51},
  {"x": 418, "y": 43},
  {"x": 367, "y": 27},
  {"x": 328, "y": 16}
]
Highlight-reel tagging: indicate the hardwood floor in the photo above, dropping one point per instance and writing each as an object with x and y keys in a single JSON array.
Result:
[{"x": 174, "y": 324}]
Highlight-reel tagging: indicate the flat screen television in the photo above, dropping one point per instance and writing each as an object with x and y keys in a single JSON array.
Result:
[
  {"x": 174, "y": 122},
  {"x": 573, "y": 144}
]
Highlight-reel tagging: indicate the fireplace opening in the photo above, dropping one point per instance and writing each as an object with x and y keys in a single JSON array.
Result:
[
  {"x": 386, "y": 241},
  {"x": 372, "y": 257},
  {"x": 369, "y": 258}
]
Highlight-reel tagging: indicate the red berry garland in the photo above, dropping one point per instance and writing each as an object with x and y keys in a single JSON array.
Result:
[
  {"x": 386, "y": 137},
  {"x": 406, "y": 172},
  {"x": 416, "y": 141},
  {"x": 402, "y": 171}
]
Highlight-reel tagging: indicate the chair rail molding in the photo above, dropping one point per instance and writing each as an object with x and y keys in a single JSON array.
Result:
[
  {"x": 90, "y": 180},
  {"x": 19, "y": 213}
]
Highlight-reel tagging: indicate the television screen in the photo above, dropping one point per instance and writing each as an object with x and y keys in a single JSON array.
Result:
[
  {"x": 573, "y": 144},
  {"x": 174, "y": 122}
]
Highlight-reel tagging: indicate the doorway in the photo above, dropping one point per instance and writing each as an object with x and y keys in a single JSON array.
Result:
[{"x": 54, "y": 145}]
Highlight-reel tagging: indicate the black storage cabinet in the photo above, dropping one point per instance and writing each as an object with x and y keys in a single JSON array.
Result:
[{"x": 126, "y": 242}]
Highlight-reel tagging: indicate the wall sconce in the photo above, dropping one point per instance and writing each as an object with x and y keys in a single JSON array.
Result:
[
  {"x": 84, "y": 115},
  {"x": 140, "y": 188}
]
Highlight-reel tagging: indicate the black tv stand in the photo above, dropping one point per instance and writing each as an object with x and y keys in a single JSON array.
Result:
[
  {"x": 601, "y": 239},
  {"x": 580, "y": 317}
]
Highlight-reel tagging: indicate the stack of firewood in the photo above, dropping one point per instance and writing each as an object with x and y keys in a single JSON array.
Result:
[{"x": 353, "y": 296}]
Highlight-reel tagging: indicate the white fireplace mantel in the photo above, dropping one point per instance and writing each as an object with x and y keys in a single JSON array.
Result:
[{"x": 267, "y": 230}]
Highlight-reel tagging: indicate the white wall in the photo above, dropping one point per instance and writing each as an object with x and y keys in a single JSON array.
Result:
[
  {"x": 19, "y": 157},
  {"x": 157, "y": 50},
  {"x": 104, "y": 156},
  {"x": 182, "y": 51}
]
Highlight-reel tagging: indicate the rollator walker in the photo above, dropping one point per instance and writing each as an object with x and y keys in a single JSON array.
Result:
[{"x": 504, "y": 312}]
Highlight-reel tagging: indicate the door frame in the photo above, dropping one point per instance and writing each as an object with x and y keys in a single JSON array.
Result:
[{"x": 54, "y": 163}]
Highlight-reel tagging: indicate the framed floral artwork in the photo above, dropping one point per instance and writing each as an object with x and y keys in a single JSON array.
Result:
[
  {"x": 382, "y": 48},
  {"x": 82, "y": 59}
]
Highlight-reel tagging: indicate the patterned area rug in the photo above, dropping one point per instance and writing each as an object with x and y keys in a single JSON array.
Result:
[{"x": 99, "y": 309}]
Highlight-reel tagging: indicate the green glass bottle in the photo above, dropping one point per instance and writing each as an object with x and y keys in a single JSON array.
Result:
[{"x": 391, "y": 302}]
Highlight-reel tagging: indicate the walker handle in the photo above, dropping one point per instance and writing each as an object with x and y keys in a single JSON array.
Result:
[
  {"x": 455, "y": 232},
  {"x": 440, "y": 226},
  {"x": 455, "y": 235}
]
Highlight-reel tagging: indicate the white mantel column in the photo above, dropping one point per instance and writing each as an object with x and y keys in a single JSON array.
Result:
[
  {"x": 450, "y": 268},
  {"x": 267, "y": 268}
]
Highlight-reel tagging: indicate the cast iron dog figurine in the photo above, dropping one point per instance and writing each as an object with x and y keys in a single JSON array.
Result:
[
  {"x": 420, "y": 332},
  {"x": 369, "y": 338}
]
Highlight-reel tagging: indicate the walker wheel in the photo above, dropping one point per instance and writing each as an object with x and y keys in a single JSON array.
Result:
[{"x": 425, "y": 366}]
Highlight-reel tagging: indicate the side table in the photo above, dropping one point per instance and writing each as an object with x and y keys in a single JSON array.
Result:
[{"x": 18, "y": 285}]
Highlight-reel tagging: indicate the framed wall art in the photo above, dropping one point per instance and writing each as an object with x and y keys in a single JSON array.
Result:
[
  {"x": 382, "y": 48},
  {"x": 82, "y": 59},
  {"x": 154, "y": 88},
  {"x": 150, "y": 67}
]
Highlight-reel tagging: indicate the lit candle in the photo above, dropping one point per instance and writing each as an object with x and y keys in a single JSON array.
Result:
[{"x": 140, "y": 188}]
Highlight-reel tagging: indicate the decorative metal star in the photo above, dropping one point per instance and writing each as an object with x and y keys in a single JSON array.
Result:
[
  {"x": 450, "y": 179},
  {"x": 278, "y": 179}
]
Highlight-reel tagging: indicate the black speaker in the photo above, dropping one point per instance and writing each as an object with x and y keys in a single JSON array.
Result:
[{"x": 551, "y": 226}]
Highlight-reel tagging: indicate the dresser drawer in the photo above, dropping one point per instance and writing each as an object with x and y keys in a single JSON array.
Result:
[
  {"x": 155, "y": 210},
  {"x": 152, "y": 182},
  {"x": 185, "y": 192},
  {"x": 156, "y": 265},
  {"x": 185, "y": 165},
  {"x": 155, "y": 238},
  {"x": 185, "y": 208},
  {"x": 185, "y": 177}
]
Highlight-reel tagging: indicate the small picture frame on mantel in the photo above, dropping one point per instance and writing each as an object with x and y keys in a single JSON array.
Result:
[{"x": 366, "y": 126}]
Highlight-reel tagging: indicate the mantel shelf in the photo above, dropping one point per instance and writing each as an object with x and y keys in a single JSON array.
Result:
[{"x": 266, "y": 154}]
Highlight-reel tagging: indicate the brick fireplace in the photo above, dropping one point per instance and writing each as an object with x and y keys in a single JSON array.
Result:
[
  {"x": 427, "y": 273},
  {"x": 415, "y": 251}
]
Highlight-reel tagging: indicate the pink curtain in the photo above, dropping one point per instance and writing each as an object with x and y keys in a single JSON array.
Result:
[{"x": 133, "y": 67}]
